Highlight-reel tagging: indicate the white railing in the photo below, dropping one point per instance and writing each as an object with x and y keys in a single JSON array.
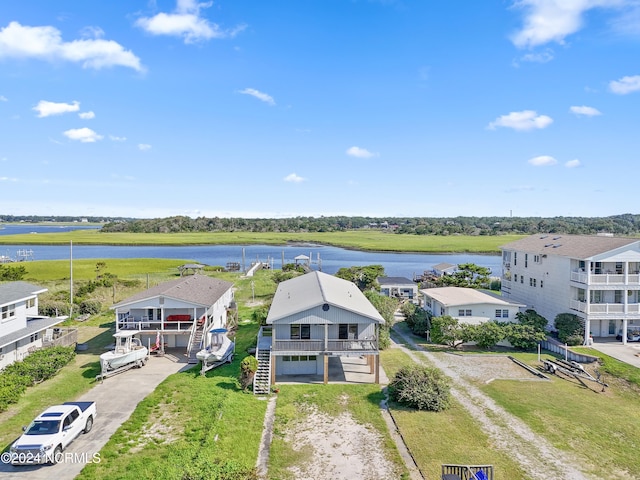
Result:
[
  {"x": 579, "y": 277},
  {"x": 605, "y": 278},
  {"x": 332, "y": 345},
  {"x": 578, "y": 305},
  {"x": 606, "y": 308}
]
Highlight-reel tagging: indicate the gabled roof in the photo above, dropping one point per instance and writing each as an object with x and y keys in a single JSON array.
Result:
[
  {"x": 196, "y": 289},
  {"x": 395, "y": 281},
  {"x": 455, "y": 296},
  {"x": 316, "y": 288},
  {"x": 574, "y": 246},
  {"x": 15, "y": 291}
]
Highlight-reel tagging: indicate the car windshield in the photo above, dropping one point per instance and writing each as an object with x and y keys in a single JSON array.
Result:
[{"x": 43, "y": 427}]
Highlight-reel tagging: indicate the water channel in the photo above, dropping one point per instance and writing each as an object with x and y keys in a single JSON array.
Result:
[{"x": 325, "y": 258}]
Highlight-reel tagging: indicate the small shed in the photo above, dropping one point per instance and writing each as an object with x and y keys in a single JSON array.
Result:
[
  {"x": 302, "y": 260},
  {"x": 444, "y": 269}
]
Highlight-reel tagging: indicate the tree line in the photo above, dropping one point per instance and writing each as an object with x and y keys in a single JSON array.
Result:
[{"x": 625, "y": 224}]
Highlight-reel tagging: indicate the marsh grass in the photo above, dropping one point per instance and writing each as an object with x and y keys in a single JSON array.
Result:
[{"x": 358, "y": 239}]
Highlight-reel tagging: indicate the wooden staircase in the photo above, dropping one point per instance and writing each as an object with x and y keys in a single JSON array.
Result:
[
  {"x": 262, "y": 377},
  {"x": 195, "y": 345}
]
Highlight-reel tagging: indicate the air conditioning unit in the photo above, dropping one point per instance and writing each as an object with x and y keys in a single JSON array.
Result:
[{"x": 1, "y": 356}]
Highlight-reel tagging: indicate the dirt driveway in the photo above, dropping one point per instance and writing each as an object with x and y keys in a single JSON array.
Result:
[{"x": 116, "y": 398}]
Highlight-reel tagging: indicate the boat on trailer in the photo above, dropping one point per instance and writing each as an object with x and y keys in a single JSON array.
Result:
[
  {"x": 129, "y": 352},
  {"x": 219, "y": 350}
]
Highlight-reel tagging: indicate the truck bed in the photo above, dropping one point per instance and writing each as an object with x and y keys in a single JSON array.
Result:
[{"x": 82, "y": 405}]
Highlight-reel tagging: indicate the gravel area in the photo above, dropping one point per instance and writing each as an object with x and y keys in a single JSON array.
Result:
[
  {"x": 537, "y": 457},
  {"x": 486, "y": 368}
]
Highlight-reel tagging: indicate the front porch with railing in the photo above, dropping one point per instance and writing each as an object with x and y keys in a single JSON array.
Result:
[
  {"x": 366, "y": 346},
  {"x": 131, "y": 322},
  {"x": 605, "y": 308}
]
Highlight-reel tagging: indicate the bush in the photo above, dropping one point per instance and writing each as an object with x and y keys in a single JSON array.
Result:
[
  {"x": 524, "y": 337},
  {"x": 531, "y": 317},
  {"x": 90, "y": 307},
  {"x": 420, "y": 387},
  {"x": 570, "y": 328},
  {"x": 487, "y": 334},
  {"x": 248, "y": 368},
  {"x": 447, "y": 330},
  {"x": 53, "y": 308}
]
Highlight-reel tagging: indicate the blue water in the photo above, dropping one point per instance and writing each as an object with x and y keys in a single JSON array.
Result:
[{"x": 327, "y": 259}]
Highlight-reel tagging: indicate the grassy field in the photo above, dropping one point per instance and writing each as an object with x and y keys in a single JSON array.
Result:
[
  {"x": 451, "y": 436},
  {"x": 358, "y": 240}
]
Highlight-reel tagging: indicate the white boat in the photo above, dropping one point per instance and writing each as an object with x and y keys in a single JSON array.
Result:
[
  {"x": 220, "y": 347},
  {"x": 129, "y": 351}
]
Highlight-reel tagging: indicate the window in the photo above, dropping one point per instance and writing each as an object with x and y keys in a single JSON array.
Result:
[
  {"x": 33, "y": 337},
  {"x": 461, "y": 313},
  {"x": 617, "y": 296},
  {"x": 498, "y": 313},
  {"x": 505, "y": 313},
  {"x": 468, "y": 313},
  {"x": 534, "y": 282},
  {"x": 31, "y": 302},
  {"x": 526, "y": 260},
  {"x": 300, "y": 332},
  {"x": 286, "y": 358},
  {"x": 536, "y": 259},
  {"x": 530, "y": 282},
  {"x": 541, "y": 283},
  {"x": 521, "y": 278},
  {"x": 515, "y": 277},
  {"x": 515, "y": 258},
  {"x": 8, "y": 311},
  {"x": 347, "y": 331}
]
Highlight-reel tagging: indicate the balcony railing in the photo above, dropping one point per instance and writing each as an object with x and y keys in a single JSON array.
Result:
[
  {"x": 357, "y": 345},
  {"x": 605, "y": 278},
  {"x": 604, "y": 308},
  {"x": 142, "y": 323}
]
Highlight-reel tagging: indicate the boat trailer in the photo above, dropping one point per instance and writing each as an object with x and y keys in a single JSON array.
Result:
[
  {"x": 572, "y": 369},
  {"x": 228, "y": 358}
]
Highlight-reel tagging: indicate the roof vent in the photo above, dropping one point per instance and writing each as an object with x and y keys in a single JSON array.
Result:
[{"x": 325, "y": 307}]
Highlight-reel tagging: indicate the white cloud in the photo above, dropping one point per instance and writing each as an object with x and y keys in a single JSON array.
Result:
[
  {"x": 553, "y": 20},
  {"x": 84, "y": 135},
  {"x": 8, "y": 179},
  {"x": 573, "y": 163},
  {"x": 360, "y": 152},
  {"x": 259, "y": 95},
  {"x": 3, "y": 98},
  {"x": 186, "y": 22},
  {"x": 524, "y": 120},
  {"x": 46, "y": 109},
  {"x": 114, "y": 138},
  {"x": 143, "y": 147},
  {"x": 87, "y": 115},
  {"x": 625, "y": 85},
  {"x": 543, "y": 161},
  {"x": 292, "y": 177},
  {"x": 540, "y": 57},
  {"x": 45, "y": 43},
  {"x": 585, "y": 111}
]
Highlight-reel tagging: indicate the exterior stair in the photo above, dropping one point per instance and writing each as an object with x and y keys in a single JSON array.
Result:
[
  {"x": 262, "y": 377},
  {"x": 196, "y": 342}
]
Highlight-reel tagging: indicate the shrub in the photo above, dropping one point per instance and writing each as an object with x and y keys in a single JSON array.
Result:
[
  {"x": 248, "y": 368},
  {"x": 570, "y": 328},
  {"x": 487, "y": 334},
  {"x": 53, "y": 308},
  {"x": 90, "y": 307},
  {"x": 420, "y": 387},
  {"x": 524, "y": 337},
  {"x": 447, "y": 330},
  {"x": 531, "y": 317}
]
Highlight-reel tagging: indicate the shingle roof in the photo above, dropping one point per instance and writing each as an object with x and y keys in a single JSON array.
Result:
[
  {"x": 453, "y": 296},
  {"x": 199, "y": 289},
  {"x": 316, "y": 288},
  {"x": 14, "y": 291},
  {"x": 574, "y": 246},
  {"x": 443, "y": 266}
]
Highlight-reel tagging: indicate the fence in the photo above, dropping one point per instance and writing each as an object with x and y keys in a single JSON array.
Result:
[{"x": 555, "y": 346}]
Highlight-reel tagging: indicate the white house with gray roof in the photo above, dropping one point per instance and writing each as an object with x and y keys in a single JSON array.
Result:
[
  {"x": 315, "y": 316},
  {"x": 181, "y": 311},
  {"x": 399, "y": 287},
  {"x": 595, "y": 277},
  {"x": 22, "y": 330},
  {"x": 469, "y": 305}
]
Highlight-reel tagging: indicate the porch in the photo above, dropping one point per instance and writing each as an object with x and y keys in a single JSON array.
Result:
[{"x": 341, "y": 369}]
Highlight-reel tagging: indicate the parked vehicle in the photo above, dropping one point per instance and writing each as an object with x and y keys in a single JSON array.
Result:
[
  {"x": 633, "y": 334},
  {"x": 51, "y": 432}
]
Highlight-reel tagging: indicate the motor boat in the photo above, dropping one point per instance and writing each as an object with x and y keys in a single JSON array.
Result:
[
  {"x": 128, "y": 351},
  {"x": 219, "y": 348}
]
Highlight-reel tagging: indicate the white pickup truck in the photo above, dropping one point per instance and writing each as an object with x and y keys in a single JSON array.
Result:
[{"x": 51, "y": 432}]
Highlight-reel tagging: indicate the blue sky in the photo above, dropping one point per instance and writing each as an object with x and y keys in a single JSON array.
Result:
[{"x": 319, "y": 107}]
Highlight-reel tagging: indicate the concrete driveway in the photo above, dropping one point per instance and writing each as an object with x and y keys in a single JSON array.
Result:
[
  {"x": 629, "y": 353},
  {"x": 116, "y": 398}
]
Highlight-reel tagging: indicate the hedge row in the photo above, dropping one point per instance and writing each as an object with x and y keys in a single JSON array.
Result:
[{"x": 37, "y": 367}]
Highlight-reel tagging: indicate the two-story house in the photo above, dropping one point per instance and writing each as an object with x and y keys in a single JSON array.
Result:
[
  {"x": 181, "y": 312},
  {"x": 316, "y": 316},
  {"x": 22, "y": 330},
  {"x": 594, "y": 277}
]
